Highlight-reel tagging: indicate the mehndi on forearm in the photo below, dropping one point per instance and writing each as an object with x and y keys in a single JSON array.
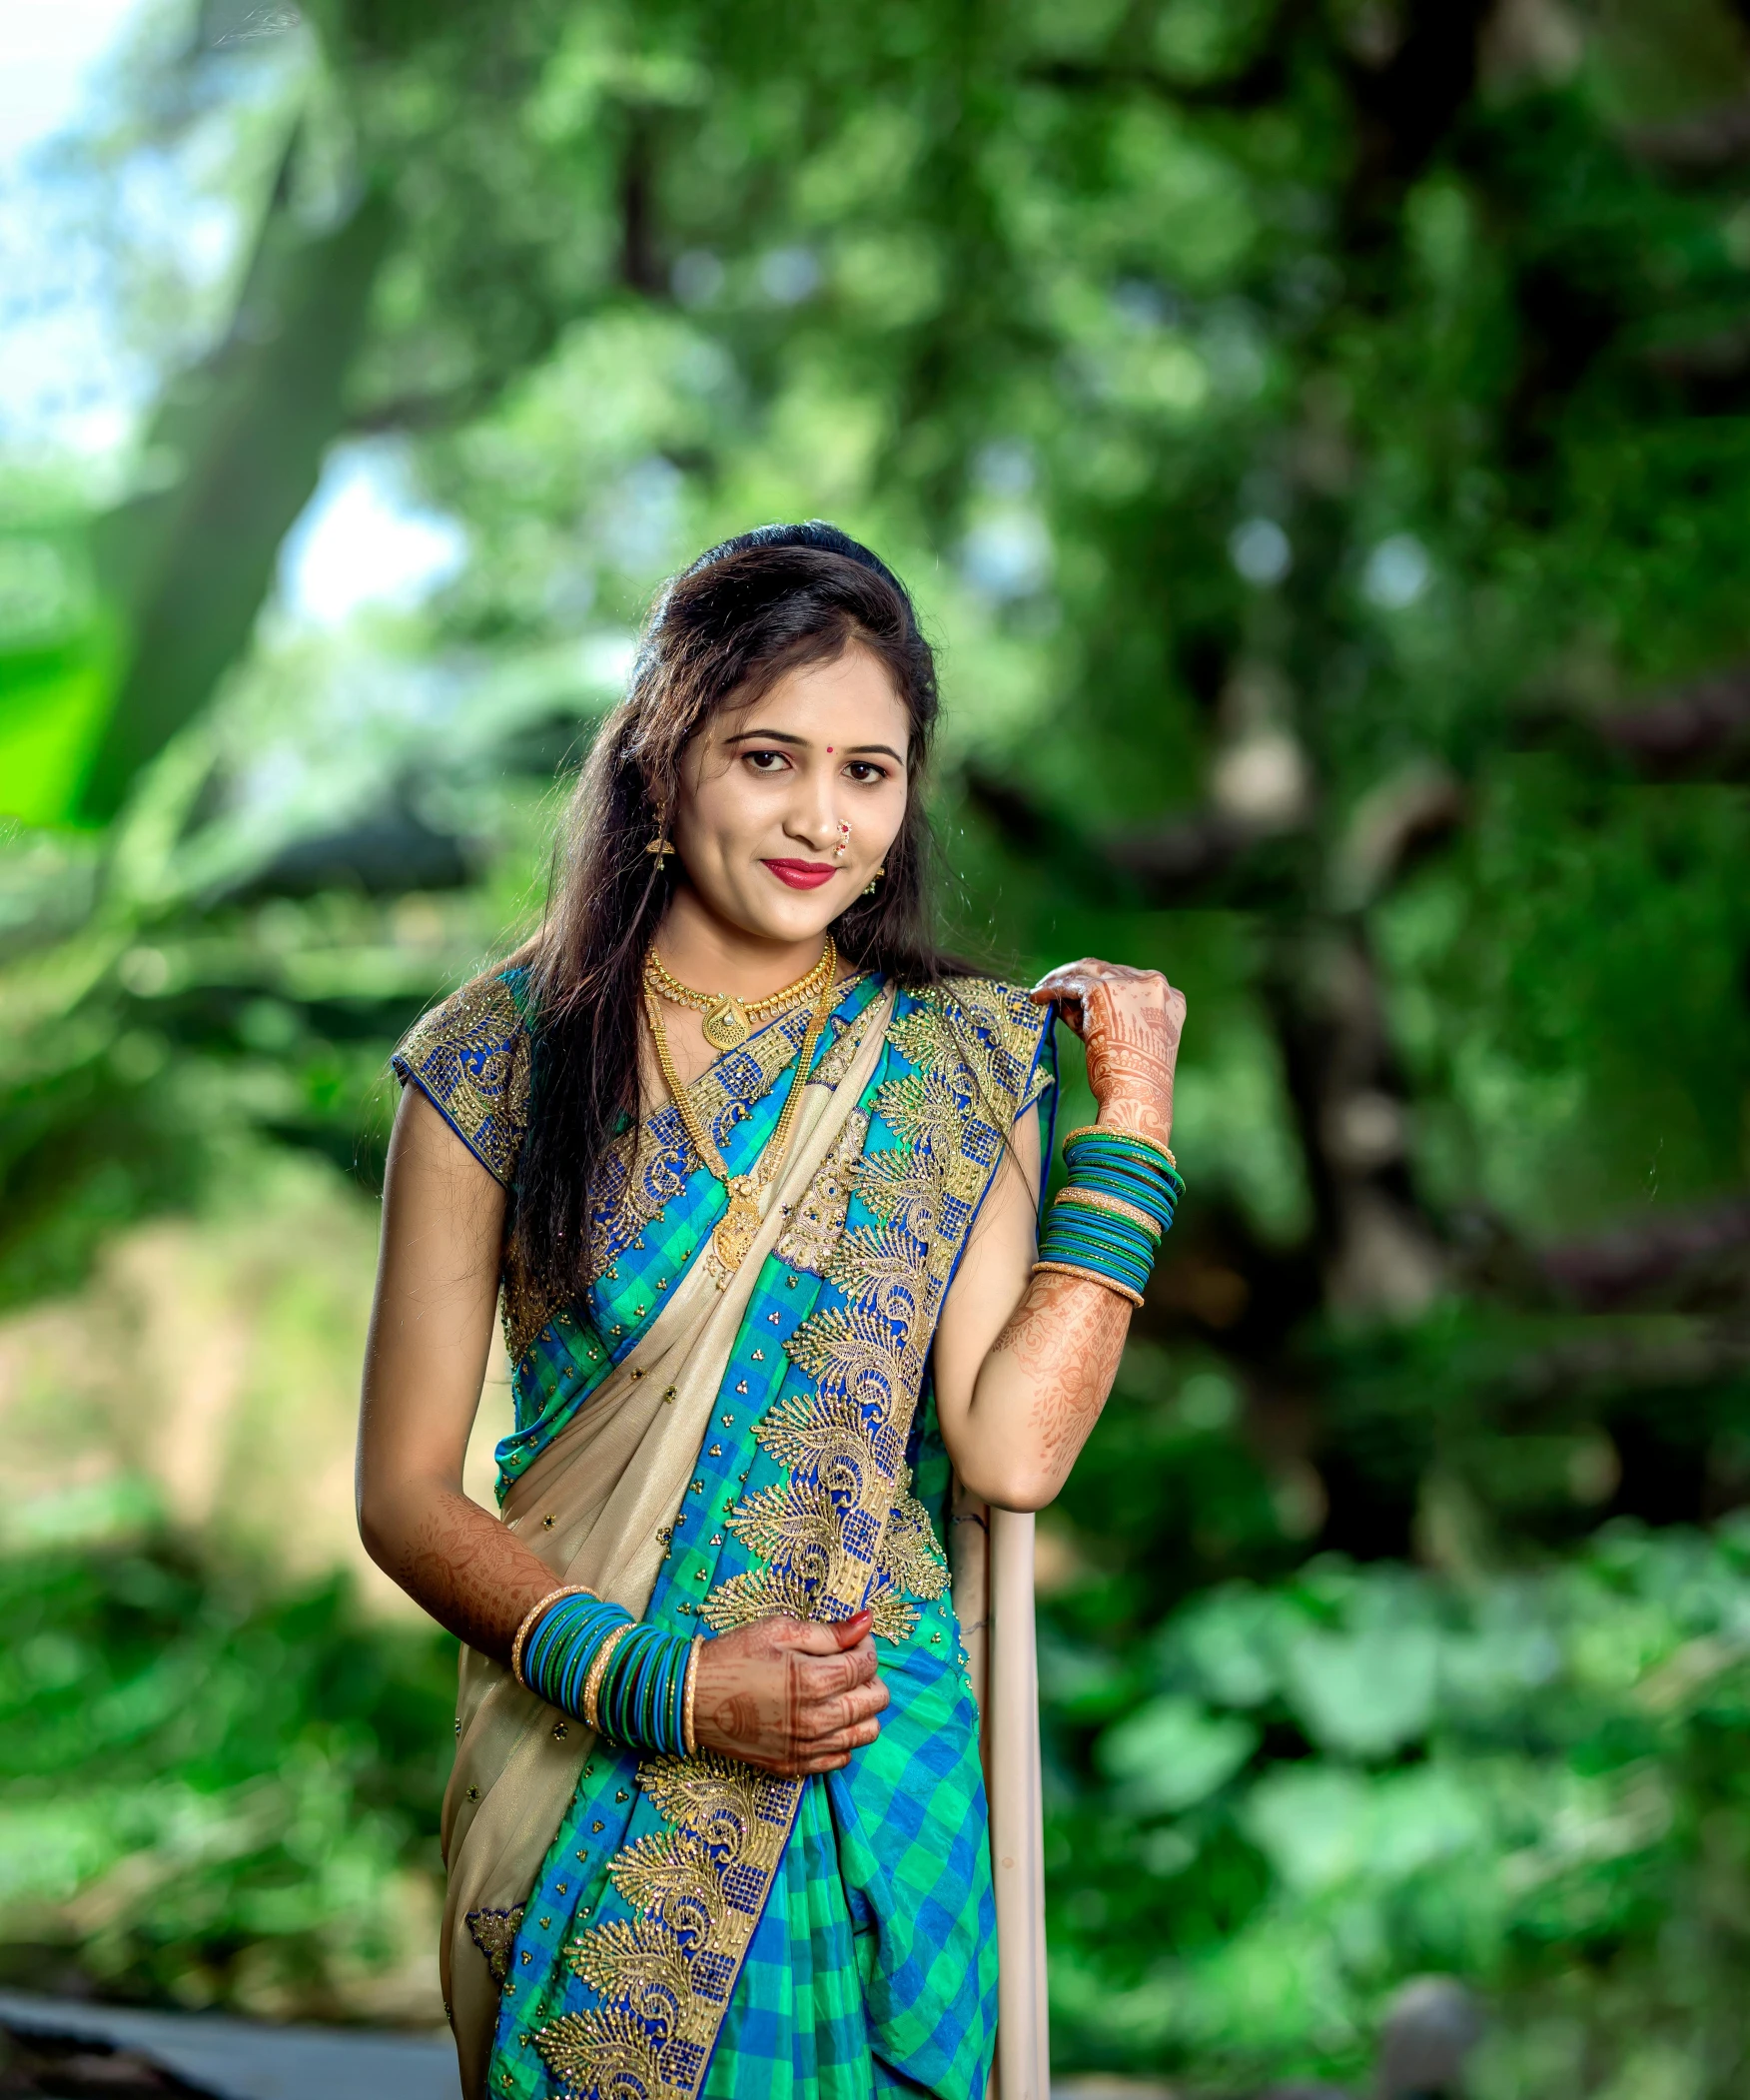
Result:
[
  {"x": 468, "y": 1570},
  {"x": 1054, "y": 1363},
  {"x": 1062, "y": 1345}
]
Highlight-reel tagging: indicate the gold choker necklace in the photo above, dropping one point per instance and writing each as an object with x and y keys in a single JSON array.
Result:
[{"x": 729, "y": 1021}]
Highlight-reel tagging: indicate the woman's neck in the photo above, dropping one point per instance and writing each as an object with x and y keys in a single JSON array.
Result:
[{"x": 710, "y": 955}]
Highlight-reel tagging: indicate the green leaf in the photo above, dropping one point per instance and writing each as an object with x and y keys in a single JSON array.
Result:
[
  {"x": 1364, "y": 1693},
  {"x": 1173, "y": 1752}
]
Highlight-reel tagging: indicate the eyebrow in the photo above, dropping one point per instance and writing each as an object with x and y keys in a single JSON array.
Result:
[{"x": 851, "y": 750}]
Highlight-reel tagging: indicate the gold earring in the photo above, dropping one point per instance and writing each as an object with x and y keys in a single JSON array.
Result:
[
  {"x": 869, "y": 886},
  {"x": 659, "y": 845}
]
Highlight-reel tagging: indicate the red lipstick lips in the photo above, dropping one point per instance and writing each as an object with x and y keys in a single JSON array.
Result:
[{"x": 802, "y": 874}]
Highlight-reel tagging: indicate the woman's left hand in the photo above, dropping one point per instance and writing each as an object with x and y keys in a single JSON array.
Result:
[{"x": 1131, "y": 1022}]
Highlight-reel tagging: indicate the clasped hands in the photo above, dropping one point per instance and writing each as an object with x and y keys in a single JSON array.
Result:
[{"x": 790, "y": 1695}]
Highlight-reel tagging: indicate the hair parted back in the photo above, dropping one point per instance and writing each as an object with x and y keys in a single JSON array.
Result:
[{"x": 728, "y": 628}]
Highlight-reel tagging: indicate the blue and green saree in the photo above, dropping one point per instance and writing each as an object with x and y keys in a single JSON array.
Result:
[{"x": 648, "y": 1928}]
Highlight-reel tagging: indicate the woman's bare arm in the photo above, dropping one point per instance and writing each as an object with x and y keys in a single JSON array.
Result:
[
  {"x": 430, "y": 1332},
  {"x": 788, "y": 1697},
  {"x": 1023, "y": 1366}
]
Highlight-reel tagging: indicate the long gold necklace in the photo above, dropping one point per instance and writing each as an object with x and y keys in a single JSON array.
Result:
[
  {"x": 729, "y": 1021},
  {"x": 738, "y": 1227}
]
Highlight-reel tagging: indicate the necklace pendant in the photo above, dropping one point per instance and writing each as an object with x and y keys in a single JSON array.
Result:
[
  {"x": 738, "y": 1228},
  {"x": 726, "y": 1026}
]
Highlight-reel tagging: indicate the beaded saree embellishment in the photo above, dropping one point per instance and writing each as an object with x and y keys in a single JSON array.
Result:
[
  {"x": 494, "y": 1934},
  {"x": 836, "y": 1061},
  {"x": 811, "y": 1238}
]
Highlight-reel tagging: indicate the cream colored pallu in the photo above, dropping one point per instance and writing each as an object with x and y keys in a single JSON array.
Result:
[{"x": 610, "y": 1483}]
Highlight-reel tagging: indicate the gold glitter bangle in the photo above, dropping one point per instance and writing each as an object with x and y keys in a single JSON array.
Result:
[
  {"x": 1112, "y": 1130},
  {"x": 598, "y": 1670},
  {"x": 689, "y": 1741},
  {"x": 1088, "y": 1276},
  {"x": 1114, "y": 1206},
  {"x": 527, "y": 1626}
]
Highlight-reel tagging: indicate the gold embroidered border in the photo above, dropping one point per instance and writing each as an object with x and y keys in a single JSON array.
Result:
[
  {"x": 665, "y": 1976},
  {"x": 843, "y": 1529}
]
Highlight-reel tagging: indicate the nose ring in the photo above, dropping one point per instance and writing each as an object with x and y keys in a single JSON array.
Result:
[{"x": 844, "y": 840}]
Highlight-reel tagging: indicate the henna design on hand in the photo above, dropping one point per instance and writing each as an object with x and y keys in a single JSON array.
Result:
[
  {"x": 736, "y": 1718},
  {"x": 1130, "y": 1021},
  {"x": 1131, "y": 1052},
  {"x": 789, "y": 1697}
]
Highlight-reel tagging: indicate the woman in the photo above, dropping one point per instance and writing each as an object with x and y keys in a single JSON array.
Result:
[{"x": 754, "y": 1172}]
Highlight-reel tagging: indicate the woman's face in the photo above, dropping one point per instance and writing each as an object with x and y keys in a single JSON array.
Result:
[{"x": 765, "y": 789}]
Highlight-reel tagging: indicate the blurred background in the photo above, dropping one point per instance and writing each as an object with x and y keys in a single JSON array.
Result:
[{"x": 1316, "y": 431}]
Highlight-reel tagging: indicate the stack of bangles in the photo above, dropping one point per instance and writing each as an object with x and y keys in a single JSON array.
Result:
[
  {"x": 593, "y": 1660},
  {"x": 1106, "y": 1220}
]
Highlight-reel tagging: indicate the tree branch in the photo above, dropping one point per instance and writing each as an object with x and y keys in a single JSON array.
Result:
[
  {"x": 1697, "y": 1251},
  {"x": 1699, "y": 144},
  {"x": 1699, "y": 731}
]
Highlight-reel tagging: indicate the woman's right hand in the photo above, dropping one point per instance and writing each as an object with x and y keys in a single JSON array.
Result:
[{"x": 789, "y": 1695}]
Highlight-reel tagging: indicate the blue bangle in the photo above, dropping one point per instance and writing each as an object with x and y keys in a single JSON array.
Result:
[
  {"x": 1111, "y": 1240},
  {"x": 564, "y": 1644},
  {"x": 1111, "y": 1141},
  {"x": 1112, "y": 1246},
  {"x": 642, "y": 1695},
  {"x": 1130, "y": 1174},
  {"x": 1146, "y": 1189},
  {"x": 641, "y": 1698},
  {"x": 1117, "y": 1152}
]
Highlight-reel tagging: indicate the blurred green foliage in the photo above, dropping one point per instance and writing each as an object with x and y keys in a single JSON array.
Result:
[
  {"x": 1317, "y": 433},
  {"x": 213, "y": 1792},
  {"x": 1535, "y": 1780}
]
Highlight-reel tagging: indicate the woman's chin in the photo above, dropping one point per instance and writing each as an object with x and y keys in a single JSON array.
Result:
[{"x": 790, "y": 917}]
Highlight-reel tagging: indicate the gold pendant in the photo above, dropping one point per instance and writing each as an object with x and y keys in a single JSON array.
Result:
[
  {"x": 726, "y": 1026},
  {"x": 738, "y": 1228}
]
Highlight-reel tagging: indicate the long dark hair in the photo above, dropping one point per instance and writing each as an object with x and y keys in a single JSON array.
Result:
[{"x": 728, "y": 627}]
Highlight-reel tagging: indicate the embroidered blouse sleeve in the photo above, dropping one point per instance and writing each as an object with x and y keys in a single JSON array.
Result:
[
  {"x": 470, "y": 1058},
  {"x": 1007, "y": 1040},
  {"x": 1043, "y": 1076}
]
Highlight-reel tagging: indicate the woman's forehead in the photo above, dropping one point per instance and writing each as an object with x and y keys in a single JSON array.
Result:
[{"x": 846, "y": 700}]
